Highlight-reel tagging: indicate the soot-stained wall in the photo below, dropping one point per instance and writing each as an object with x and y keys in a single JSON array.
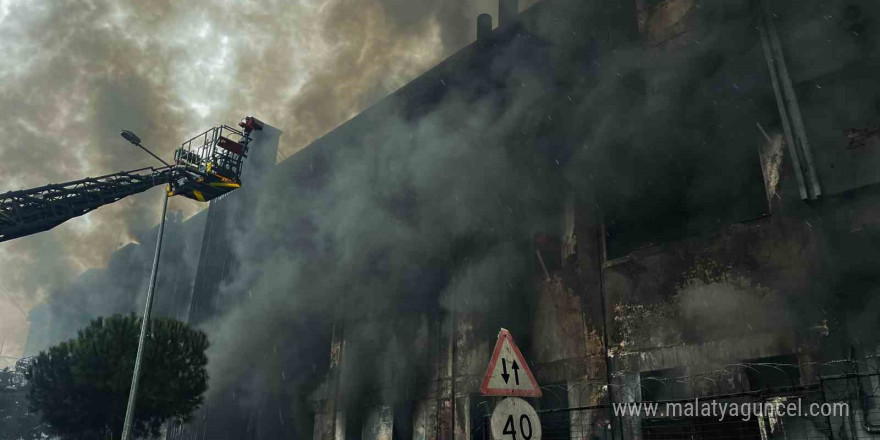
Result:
[
  {"x": 692, "y": 248},
  {"x": 638, "y": 148}
]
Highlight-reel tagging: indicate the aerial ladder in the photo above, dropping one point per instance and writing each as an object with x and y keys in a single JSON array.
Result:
[{"x": 205, "y": 167}]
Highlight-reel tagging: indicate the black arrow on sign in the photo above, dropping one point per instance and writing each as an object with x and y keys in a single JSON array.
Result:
[
  {"x": 515, "y": 372},
  {"x": 504, "y": 374}
]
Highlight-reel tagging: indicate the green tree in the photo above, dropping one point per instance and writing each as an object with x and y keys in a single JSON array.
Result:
[
  {"x": 17, "y": 422},
  {"x": 81, "y": 386}
]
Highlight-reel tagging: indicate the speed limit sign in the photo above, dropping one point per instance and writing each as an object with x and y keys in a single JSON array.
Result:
[{"x": 515, "y": 419}]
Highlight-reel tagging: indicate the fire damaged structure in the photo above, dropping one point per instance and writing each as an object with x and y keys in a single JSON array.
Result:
[
  {"x": 662, "y": 200},
  {"x": 696, "y": 221},
  {"x": 701, "y": 225}
]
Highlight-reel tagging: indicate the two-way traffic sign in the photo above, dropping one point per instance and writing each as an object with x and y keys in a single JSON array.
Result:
[{"x": 508, "y": 373}]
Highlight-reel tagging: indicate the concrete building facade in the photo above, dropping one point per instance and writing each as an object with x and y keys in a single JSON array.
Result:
[
  {"x": 726, "y": 287},
  {"x": 660, "y": 199}
]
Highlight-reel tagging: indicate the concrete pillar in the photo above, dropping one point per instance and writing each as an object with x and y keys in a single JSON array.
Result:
[
  {"x": 333, "y": 421},
  {"x": 339, "y": 431},
  {"x": 318, "y": 431},
  {"x": 378, "y": 424},
  {"x": 630, "y": 392},
  {"x": 580, "y": 394},
  {"x": 421, "y": 425},
  {"x": 462, "y": 418},
  {"x": 484, "y": 26}
]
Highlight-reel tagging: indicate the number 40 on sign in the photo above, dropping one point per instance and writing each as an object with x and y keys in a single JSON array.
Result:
[{"x": 515, "y": 419}]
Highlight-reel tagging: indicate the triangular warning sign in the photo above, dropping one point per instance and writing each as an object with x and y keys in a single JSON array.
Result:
[{"x": 508, "y": 373}]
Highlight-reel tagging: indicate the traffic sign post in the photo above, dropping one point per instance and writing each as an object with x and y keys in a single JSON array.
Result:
[
  {"x": 515, "y": 419},
  {"x": 508, "y": 373}
]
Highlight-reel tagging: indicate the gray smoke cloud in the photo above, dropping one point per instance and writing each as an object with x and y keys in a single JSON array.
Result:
[
  {"x": 388, "y": 238},
  {"x": 671, "y": 152},
  {"x": 419, "y": 212},
  {"x": 77, "y": 73},
  {"x": 390, "y": 210}
]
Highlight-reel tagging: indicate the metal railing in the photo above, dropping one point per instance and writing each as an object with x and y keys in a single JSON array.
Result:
[{"x": 205, "y": 148}]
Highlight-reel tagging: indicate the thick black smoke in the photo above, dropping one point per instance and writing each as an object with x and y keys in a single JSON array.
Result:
[
  {"x": 77, "y": 73},
  {"x": 402, "y": 215},
  {"x": 388, "y": 225}
]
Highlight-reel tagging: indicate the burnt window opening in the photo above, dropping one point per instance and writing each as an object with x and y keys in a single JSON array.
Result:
[
  {"x": 773, "y": 372},
  {"x": 305, "y": 424},
  {"x": 870, "y": 401},
  {"x": 686, "y": 202},
  {"x": 555, "y": 424},
  {"x": 402, "y": 423},
  {"x": 665, "y": 384},
  {"x": 691, "y": 168},
  {"x": 354, "y": 422},
  {"x": 480, "y": 409},
  {"x": 708, "y": 428},
  {"x": 668, "y": 385},
  {"x": 860, "y": 138}
]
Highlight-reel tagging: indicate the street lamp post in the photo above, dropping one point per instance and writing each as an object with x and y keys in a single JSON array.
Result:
[
  {"x": 135, "y": 140},
  {"x": 132, "y": 395}
]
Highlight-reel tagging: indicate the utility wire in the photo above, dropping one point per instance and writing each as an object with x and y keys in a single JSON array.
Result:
[{"x": 9, "y": 297}]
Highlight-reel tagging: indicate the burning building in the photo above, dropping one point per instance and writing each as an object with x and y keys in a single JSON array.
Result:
[
  {"x": 661, "y": 200},
  {"x": 679, "y": 217}
]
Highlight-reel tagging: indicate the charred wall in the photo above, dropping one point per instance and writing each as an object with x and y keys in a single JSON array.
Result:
[
  {"x": 689, "y": 246},
  {"x": 611, "y": 181}
]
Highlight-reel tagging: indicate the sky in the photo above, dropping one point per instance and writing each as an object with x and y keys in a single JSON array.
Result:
[{"x": 76, "y": 73}]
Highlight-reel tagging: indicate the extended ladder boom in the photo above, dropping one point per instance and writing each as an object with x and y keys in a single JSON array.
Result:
[
  {"x": 35, "y": 210},
  {"x": 205, "y": 167}
]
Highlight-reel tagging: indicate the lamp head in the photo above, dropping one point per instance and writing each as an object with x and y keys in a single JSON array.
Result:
[{"x": 131, "y": 137}]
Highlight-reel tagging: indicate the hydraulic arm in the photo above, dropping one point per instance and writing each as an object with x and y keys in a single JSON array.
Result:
[
  {"x": 35, "y": 210},
  {"x": 206, "y": 166}
]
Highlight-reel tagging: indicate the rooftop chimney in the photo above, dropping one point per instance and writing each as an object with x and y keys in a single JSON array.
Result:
[
  {"x": 484, "y": 26},
  {"x": 507, "y": 11}
]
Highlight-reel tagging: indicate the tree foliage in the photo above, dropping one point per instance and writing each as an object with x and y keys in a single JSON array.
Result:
[
  {"x": 81, "y": 386},
  {"x": 17, "y": 422}
]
